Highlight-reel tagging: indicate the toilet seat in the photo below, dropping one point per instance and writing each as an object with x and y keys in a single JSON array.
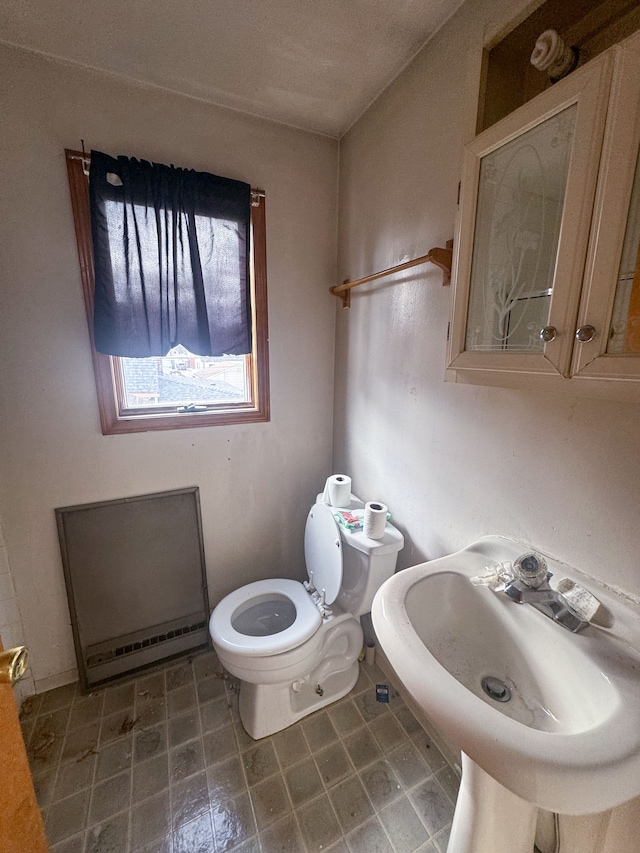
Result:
[{"x": 306, "y": 623}]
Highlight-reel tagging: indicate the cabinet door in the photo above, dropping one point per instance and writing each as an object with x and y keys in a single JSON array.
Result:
[
  {"x": 525, "y": 210},
  {"x": 611, "y": 295}
]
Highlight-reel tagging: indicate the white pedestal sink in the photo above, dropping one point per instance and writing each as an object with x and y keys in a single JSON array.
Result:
[
  {"x": 488, "y": 817},
  {"x": 567, "y": 741}
]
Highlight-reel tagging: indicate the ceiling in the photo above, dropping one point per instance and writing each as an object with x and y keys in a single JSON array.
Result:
[{"x": 314, "y": 64}]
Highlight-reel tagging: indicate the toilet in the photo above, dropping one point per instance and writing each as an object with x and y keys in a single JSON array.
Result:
[{"x": 295, "y": 646}]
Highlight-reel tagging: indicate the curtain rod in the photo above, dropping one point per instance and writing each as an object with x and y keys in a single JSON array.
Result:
[{"x": 85, "y": 159}]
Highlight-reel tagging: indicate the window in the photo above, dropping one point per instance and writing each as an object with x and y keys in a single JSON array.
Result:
[{"x": 179, "y": 390}]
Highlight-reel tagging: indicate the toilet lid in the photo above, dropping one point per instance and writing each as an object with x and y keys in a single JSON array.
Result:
[{"x": 323, "y": 551}]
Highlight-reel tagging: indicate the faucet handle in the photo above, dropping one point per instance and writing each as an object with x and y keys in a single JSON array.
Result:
[
  {"x": 531, "y": 569},
  {"x": 583, "y": 603}
]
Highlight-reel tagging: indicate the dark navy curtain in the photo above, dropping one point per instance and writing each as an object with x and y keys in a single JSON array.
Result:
[{"x": 171, "y": 250}]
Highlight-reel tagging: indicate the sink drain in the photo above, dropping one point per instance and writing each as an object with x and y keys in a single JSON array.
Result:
[{"x": 496, "y": 688}]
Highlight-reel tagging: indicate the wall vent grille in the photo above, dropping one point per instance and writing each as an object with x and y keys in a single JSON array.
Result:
[
  {"x": 130, "y": 648},
  {"x": 136, "y": 581}
]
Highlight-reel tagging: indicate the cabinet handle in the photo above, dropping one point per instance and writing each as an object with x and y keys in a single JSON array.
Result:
[
  {"x": 548, "y": 334},
  {"x": 585, "y": 334}
]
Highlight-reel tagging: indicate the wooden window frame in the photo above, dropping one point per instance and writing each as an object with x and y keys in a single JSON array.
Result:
[{"x": 113, "y": 420}]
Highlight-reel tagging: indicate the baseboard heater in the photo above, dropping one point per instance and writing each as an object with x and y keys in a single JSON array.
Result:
[{"x": 136, "y": 582}]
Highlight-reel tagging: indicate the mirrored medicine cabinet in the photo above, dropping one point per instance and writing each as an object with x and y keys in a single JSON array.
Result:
[{"x": 547, "y": 266}]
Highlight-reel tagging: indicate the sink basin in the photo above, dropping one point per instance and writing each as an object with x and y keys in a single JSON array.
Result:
[
  {"x": 473, "y": 634},
  {"x": 568, "y": 739}
]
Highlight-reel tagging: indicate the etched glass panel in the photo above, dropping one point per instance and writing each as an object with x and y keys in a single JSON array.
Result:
[
  {"x": 520, "y": 202},
  {"x": 624, "y": 334}
]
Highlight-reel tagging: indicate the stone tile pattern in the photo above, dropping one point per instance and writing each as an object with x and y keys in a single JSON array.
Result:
[{"x": 161, "y": 764}]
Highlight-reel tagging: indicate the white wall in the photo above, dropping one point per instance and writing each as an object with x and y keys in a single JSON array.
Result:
[
  {"x": 256, "y": 481},
  {"x": 457, "y": 462}
]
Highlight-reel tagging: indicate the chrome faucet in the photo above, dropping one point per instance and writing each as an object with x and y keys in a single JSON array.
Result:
[{"x": 532, "y": 587}]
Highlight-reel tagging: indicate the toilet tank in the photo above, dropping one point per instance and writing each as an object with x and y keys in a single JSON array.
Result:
[{"x": 366, "y": 565}]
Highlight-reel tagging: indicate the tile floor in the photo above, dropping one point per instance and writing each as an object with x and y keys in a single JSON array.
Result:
[{"x": 161, "y": 764}]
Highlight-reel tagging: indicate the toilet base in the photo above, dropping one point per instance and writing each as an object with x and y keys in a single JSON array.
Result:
[{"x": 269, "y": 708}]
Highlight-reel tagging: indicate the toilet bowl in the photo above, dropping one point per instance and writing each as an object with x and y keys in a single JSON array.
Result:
[{"x": 295, "y": 646}]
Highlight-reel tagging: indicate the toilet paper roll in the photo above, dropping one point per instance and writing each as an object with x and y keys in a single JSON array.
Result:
[
  {"x": 375, "y": 519},
  {"x": 337, "y": 491}
]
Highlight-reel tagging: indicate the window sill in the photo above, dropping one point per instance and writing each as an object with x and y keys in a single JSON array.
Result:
[{"x": 120, "y": 425}]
